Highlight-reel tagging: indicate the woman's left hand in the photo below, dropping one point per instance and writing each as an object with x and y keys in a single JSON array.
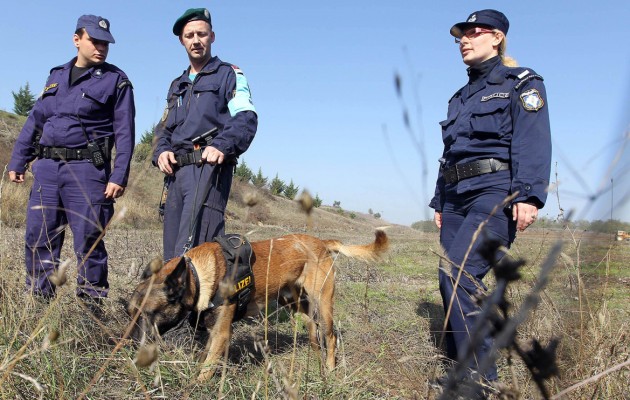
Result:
[{"x": 524, "y": 214}]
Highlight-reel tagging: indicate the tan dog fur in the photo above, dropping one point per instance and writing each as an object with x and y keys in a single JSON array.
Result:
[{"x": 298, "y": 267}]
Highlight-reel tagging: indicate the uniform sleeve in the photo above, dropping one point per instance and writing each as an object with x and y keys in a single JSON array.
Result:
[
  {"x": 437, "y": 202},
  {"x": 240, "y": 129},
  {"x": 124, "y": 132},
  {"x": 162, "y": 133},
  {"x": 531, "y": 142},
  {"x": 25, "y": 146}
]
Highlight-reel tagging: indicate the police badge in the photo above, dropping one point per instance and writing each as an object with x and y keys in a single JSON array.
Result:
[
  {"x": 102, "y": 24},
  {"x": 532, "y": 101}
]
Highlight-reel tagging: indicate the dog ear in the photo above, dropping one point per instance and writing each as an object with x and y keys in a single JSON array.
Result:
[{"x": 177, "y": 281}]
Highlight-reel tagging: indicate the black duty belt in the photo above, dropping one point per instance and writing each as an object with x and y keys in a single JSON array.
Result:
[
  {"x": 458, "y": 172},
  {"x": 62, "y": 153},
  {"x": 194, "y": 157}
]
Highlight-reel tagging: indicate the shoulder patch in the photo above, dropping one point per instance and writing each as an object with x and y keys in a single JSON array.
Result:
[
  {"x": 532, "y": 100},
  {"x": 51, "y": 86},
  {"x": 236, "y": 69},
  {"x": 123, "y": 83}
]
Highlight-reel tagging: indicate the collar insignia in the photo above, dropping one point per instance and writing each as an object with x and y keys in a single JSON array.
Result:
[{"x": 532, "y": 101}]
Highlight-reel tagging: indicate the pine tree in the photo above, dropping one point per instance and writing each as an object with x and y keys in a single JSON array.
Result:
[
  {"x": 259, "y": 180},
  {"x": 243, "y": 172},
  {"x": 317, "y": 202},
  {"x": 291, "y": 190},
  {"x": 277, "y": 185},
  {"x": 23, "y": 100},
  {"x": 148, "y": 135}
]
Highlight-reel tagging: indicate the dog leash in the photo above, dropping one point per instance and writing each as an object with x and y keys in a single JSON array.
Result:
[{"x": 194, "y": 217}]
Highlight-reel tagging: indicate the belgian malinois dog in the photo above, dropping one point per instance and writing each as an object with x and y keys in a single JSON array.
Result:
[{"x": 295, "y": 270}]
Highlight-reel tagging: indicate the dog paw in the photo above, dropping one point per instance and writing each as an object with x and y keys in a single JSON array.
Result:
[{"x": 206, "y": 374}]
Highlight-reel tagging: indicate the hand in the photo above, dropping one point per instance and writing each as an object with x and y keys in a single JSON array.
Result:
[
  {"x": 212, "y": 155},
  {"x": 524, "y": 214},
  {"x": 437, "y": 217},
  {"x": 113, "y": 191},
  {"x": 165, "y": 161},
  {"x": 16, "y": 177}
]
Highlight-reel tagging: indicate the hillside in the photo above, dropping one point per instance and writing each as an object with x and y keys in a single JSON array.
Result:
[{"x": 145, "y": 187}]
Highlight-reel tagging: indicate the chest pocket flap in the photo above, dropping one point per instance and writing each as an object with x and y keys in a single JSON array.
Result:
[
  {"x": 96, "y": 94},
  {"x": 491, "y": 118},
  {"x": 203, "y": 87}
]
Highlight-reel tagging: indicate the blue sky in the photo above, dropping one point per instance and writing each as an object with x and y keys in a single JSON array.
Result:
[{"x": 322, "y": 79}]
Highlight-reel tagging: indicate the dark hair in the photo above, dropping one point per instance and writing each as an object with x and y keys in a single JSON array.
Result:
[{"x": 80, "y": 32}]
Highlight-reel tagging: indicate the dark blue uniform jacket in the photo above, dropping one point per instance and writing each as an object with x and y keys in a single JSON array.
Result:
[
  {"x": 218, "y": 97},
  {"x": 102, "y": 97},
  {"x": 506, "y": 118}
]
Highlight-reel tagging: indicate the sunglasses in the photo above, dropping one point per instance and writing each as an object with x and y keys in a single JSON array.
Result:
[{"x": 473, "y": 33}]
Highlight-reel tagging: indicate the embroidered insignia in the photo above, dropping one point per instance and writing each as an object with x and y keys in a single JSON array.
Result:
[
  {"x": 206, "y": 13},
  {"x": 495, "y": 96},
  {"x": 532, "y": 101},
  {"x": 472, "y": 18},
  {"x": 51, "y": 86},
  {"x": 102, "y": 24}
]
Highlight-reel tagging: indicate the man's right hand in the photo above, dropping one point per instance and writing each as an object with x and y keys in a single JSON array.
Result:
[
  {"x": 165, "y": 161},
  {"x": 16, "y": 177},
  {"x": 437, "y": 218}
]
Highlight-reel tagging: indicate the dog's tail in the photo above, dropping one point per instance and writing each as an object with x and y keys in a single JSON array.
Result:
[{"x": 368, "y": 252}]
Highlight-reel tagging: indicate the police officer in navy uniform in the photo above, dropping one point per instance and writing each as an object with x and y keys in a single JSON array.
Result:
[
  {"x": 209, "y": 94},
  {"x": 496, "y": 144},
  {"x": 85, "y": 109}
]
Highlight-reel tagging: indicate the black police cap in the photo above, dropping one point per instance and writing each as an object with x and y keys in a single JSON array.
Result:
[
  {"x": 488, "y": 18},
  {"x": 192, "y": 14}
]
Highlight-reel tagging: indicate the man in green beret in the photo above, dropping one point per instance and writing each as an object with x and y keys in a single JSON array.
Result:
[{"x": 209, "y": 94}]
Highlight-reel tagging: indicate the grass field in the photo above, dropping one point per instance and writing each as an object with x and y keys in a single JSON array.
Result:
[{"x": 388, "y": 316}]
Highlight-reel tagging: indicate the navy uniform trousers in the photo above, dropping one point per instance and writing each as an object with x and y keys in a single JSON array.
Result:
[
  {"x": 461, "y": 216},
  {"x": 67, "y": 193},
  {"x": 185, "y": 200}
]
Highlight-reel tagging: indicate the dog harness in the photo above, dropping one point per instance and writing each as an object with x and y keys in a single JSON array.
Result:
[{"x": 238, "y": 259}]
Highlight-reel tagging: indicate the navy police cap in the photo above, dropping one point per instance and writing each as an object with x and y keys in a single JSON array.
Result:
[
  {"x": 192, "y": 14},
  {"x": 97, "y": 27},
  {"x": 487, "y": 18}
]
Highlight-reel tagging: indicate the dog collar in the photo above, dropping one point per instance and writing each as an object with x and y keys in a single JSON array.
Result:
[{"x": 192, "y": 269}]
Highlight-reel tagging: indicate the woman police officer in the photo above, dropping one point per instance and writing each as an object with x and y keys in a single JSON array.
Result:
[{"x": 496, "y": 144}]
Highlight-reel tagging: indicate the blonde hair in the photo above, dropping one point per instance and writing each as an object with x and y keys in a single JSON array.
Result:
[{"x": 505, "y": 59}]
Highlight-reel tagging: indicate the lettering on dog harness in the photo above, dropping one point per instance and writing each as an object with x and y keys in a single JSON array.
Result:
[{"x": 238, "y": 259}]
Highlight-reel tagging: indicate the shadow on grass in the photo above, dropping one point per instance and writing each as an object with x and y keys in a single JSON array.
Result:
[{"x": 435, "y": 314}]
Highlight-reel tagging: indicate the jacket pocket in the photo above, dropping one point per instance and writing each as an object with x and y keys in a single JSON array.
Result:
[
  {"x": 448, "y": 134},
  {"x": 491, "y": 119},
  {"x": 176, "y": 109},
  {"x": 93, "y": 104}
]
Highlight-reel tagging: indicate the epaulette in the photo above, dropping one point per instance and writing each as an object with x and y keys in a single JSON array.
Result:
[
  {"x": 55, "y": 68},
  {"x": 123, "y": 83},
  {"x": 459, "y": 92},
  {"x": 236, "y": 69},
  {"x": 523, "y": 75}
]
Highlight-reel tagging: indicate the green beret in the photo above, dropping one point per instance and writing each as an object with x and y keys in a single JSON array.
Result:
[{"x": 192, "y": 14}]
